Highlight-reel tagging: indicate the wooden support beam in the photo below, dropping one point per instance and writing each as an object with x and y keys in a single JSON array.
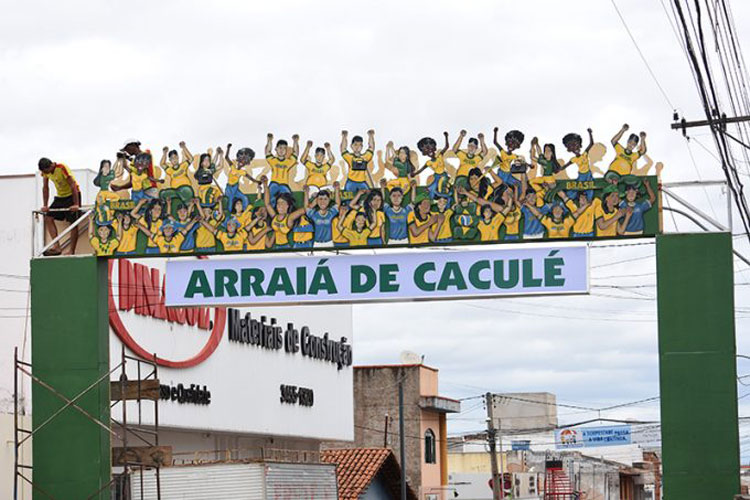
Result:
[
  {"x": 148, "y": 456},
  {"x": 149, "y": 389}
]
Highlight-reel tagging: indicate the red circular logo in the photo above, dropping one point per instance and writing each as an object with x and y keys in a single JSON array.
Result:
[{"x": 220, "y": 316}]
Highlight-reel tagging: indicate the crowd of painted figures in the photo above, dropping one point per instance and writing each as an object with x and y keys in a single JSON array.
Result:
[{"x": 470, "y": 193}]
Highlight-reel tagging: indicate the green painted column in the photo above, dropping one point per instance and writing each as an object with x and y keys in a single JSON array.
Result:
[
  {"x": 70, "y": 351},
  {"x": 697, "y": 366}
]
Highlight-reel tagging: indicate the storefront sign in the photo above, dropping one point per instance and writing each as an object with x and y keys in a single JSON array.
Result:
[
  {"x": 219, "y": 365},
  {"x": 180, "y": 393},
  {"x": 382, "y": 277},
  {"x": 586, "y": 437}
]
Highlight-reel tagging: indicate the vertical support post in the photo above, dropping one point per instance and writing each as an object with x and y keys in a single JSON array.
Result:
[
  {"x": 385, "y": 432},
  {"x": 496, "y": 486},
  {"x": 70, "y": 351},
  {"x": 697, "y": 366},
  {"x": 15, "y": 424},
  {"x": 402, "y": 444}
]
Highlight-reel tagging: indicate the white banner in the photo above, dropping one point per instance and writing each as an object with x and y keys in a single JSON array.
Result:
[{"x": 369, "y": 278}]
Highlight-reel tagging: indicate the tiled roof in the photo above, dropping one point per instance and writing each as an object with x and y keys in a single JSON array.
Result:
[{"x": 357, "y": 467}]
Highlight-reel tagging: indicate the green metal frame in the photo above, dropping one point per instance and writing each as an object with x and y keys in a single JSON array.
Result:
[
  {"x": 697, "y": 366},
  {"x": 70, "y": 351}
]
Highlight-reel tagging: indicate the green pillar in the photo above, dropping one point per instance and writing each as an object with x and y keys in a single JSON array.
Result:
[
  {"x": 70, "y": 351},
  {"x": 697, "y": 370}
]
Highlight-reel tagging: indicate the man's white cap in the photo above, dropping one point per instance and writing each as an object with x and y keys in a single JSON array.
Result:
[{"x": 130, "y": 141}]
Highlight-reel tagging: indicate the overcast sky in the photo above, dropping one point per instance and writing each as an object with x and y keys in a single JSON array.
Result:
[{"x": 76, "y": 78}]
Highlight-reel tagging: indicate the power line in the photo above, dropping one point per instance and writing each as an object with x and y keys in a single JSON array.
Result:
[{"x": 643, "y": 58}]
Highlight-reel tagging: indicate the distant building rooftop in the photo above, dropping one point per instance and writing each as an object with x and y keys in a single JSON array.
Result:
[{"x": 356, "y": 468}]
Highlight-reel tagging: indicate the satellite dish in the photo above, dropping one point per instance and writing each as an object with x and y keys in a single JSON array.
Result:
[{"x": 410, "y": 358}]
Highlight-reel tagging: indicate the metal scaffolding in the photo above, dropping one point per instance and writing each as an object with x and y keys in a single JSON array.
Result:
[{"x": 144, "y": 387}]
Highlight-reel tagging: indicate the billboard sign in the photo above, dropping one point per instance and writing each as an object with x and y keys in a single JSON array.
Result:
[
  {"x": 524, "y": 411},
  {"x": 586, "y": 437},
  {"x": 373, "y": 198},
  {"x": 381, "y": 277},
  {"x": 218, "y": 366}
]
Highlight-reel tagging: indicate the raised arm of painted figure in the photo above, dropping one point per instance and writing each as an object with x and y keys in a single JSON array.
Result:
[
  {"x": 145, "y": 230},
  {"x": 331, "y": 158},
  {"x": 602, "y": 224},
  {"x": 305, "y": 152},
  {"x": 337, "y": 193},
  {"x": 625, "y": 220},
  {"x": 576, "y": 210},
  {"x": 306, "y": 196},
  {"x": 591, "y": 139},
  {"x": 371, "y": 140},
  {"x": 269, "y": 144},
  {"x": 226, "y": 154},
  {"x": 343, "y": 212},
  {"x": 137, "y": 208},
  {"x": 494, "y": 139},
  {"x": 255, "y": 238},
  {"x": 618, "y": 135},
  {"x": 354, "y": 204},
  {"x": 482, "y": 145},
  {"x": 416, "y": 231},
  {"x": 650, "y": 191},
  {"x": 186, "y": 155},
  {"x": 163, "y": 161},
  {"x": 344, "y": 141},
  {"x": 481, "y": 201},
  {"x": 447, "y": 146},
  {"x": 534, "y": 210},
  {"x": 642, "y": 149},
  {"x": 435, "y": 226},
  {"x": 457, "y": 144},
  {"x": 267, "y": 196},
  {"x": 496, "y": 180},
  {"x": 390, "y": 154},
  {"x": 295, "y": 145}
]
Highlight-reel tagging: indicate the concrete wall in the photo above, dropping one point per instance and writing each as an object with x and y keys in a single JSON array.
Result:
[
  {"x": 428, "y": 381},
  {"x": 375, "y": 396},
  {"x": 6, "y": 457}
]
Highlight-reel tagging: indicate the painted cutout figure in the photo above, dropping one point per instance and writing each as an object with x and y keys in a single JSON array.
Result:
[
  {"x": 235, "y": 171},
  {"x": 441, "y": 171},
  {"x": 510, "y": 165},
  {"x": 626, "y": 157},
  {"x": 397, "y": 214},
  {"x": 282, "y": 164},
  {"x": 634, "y": 223},
  {"x": 401, "y": 164},
  {"x": 283, "y": 215},
  {"x": 322, "y": 212},
  {"x": 471, "y": 157},
  {"x": 358, "y": 175},
  {"x": 104, "y": 241},
  {"x": 318, "y": 167},
  {"x": 177, "y": 171},
  {"x": 573, "y": 143}
]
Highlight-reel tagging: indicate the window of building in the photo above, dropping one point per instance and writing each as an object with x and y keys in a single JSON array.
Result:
[{"x": 429, "y": 447}]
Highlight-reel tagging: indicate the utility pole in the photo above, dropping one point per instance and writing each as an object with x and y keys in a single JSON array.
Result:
[
  {"x": 721, "y": 121},
  {"x": 402, "y": 441},
  {"x": 496, "y": 486},
  {"x": 385, "y": 432}
]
